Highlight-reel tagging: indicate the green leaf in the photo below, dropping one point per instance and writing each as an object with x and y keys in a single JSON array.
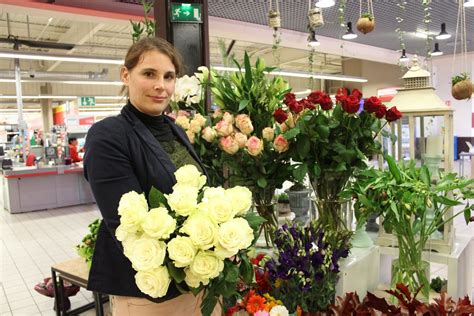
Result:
[
  {"x": 243, "y": 104},
  {"x": 303, "y": 146},
  {"x": 316, "y": 170},
  {"x": 392, "y": 165},
  {"x": 231, "y": 272},
  {"x": 341, "y": 167},
  {"x": 292, "y": 133},
  {"x": 176, "y": 273},
  {"x": 444, "y": 200},
  {"x": 254, "y": 220},
  {"x": 323, "y": 130},
  {"x": 156, "y": 198},
  {"x": 208, "y": 304},
  {"x": 262, "y": 182},
  {"x": 393, "y": 207},
  {"x": 467, "y": 214},
  {"x": 248, "y": 71},
  {"x": 300, "y": 172},
  {"x": 425, "y": 175},
  {"x": 195, "y": 290},
  {"x": 246, "y": 269}
]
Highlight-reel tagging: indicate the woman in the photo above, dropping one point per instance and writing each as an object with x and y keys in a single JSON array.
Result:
[{"x": 136, "y": 150}]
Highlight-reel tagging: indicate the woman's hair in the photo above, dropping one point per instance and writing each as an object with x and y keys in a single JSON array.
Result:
[{"x": 146, "y": 44}]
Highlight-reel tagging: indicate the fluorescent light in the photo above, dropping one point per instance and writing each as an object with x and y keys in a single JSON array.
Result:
[
  {"x": 58, "y": 57},
  {"x": 423, "y": 34},
  {"x": 113, "y": 83},
  {"x": 301, "y": 74},
  {"x": 307, "y": 91},
  {"x": 39, "y": 97},
  {"x": 469, "y": 4},
  {"x": 109, "y": 97},
  {"x": 325, "y": 3},
  {"x": 16, "y": 110}
]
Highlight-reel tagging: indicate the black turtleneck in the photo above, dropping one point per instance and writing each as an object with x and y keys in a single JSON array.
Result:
[{"x": 163, "y": 133}]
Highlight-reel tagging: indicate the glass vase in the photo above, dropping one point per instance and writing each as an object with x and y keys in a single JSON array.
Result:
[
  {"x": 265, "y": 205},
  {"x": 331, "y": 211}
]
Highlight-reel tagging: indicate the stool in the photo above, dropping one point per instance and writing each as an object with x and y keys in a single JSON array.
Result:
[{"x": 76, "y": 272}]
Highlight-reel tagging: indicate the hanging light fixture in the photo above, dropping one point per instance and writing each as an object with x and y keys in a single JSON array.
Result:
[
  {"x": 436, "y": 51},
  {"x": 349, "y": 33},
  {"x": 325, "y": 3},
  {"x": 443, "y": 34},
  {"x": 312, "y": 41},
  {"x": 404, "y": 56},
  {"x": 469, "y": 4}
]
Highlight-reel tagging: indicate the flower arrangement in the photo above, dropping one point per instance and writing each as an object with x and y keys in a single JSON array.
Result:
[
  {"x": 86, "y": 248},
  {"x": 189, "y": 92},
  {"x": 195, "y": 237},
  {"x": 305, "y": 271},
  {"x": 406, "y": 196},
  {"x": 258, "y": 305},
  {"x": 461, "y": 86},
  {"x": 331, "y": 142}
]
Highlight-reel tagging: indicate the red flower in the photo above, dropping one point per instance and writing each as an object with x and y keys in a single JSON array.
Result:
[
  {"x": 340, "y": 98},
  {"x": 372, "y": 104},
  {"x": 255, "y": 303},
  {"x": 393, "y": 114},
  {"x": 326, "y": 103},
  {"x": 295, "y": 106},
  {"x": 261, "y": 279},
  {"x": 232, "y": 310},
  {"x": 315, "y": 97},
  {"x": 257, "y": 259},
  {"x": 351, "y": 105},
  {"x": 380, "y": 111},
  {"x": 289, "y": 97},
  {"x": 357, "y": 93},
  {"x": 307, "y": 104},
  {"x": 280, "y": 116}
]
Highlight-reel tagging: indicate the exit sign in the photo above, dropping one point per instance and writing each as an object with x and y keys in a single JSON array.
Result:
[
  {"x": 86, "y": 101},
  {"x": 186, "y": 12}
]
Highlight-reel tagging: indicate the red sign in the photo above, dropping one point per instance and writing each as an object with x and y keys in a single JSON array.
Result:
[{"x": 86, "y": 120}]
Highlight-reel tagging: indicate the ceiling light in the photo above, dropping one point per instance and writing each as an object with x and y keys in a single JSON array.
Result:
[
  {"x": 436, "y": 51},
  {"x": 39, "y": 97},
  {"x": 300, "y": 74},
  {"x": 58, "y": 57},
  {"x": 404, "y": 56},
  {"x": 469, "y": 3},
  {"x": 349, "y": 34},
  {"x": 424, "y": 34},
  {"x": 325, "y": 3},
  {"x": 112, "y": 83},
  {"x": 443, "y": 34},
  {"x": 312, "y": 41}
]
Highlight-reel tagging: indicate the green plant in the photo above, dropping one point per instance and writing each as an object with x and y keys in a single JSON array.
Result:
[
  {"x": 298, "y": 186},
  {"x": 146, "y": 25},
  {"x": 458, "y": 78},
  {"x": 367, "y": 15},
  {"x": 437, "y": 284},
  {"x": 86, "y": 248},
  {"x": 283, "y": 198}
]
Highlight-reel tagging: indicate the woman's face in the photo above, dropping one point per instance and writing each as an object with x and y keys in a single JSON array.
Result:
[{"x": 151, "y": 82}]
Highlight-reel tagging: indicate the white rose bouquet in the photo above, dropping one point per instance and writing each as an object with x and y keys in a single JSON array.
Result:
[{"x": 196, "y": 237}]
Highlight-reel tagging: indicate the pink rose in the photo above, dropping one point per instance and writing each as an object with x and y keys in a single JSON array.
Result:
[
  {"x": 217, "y": 114},
  {"x": 208, "y": 134},
  {"x": 254, "y": 146},
  {"x": 241, "y": 139},
  {"x": 190, "y": 136},
  {"x": 224, "y": 128},
  {"x": 228, "y": 118},
  {"x": 182, "y": 121},
  {"x": 268, "y": 134},
  {"x": 281, "y": 144},
  {"x": 200, "y": 119},
  {"x": 244, "y": 124},
  {"x": 229, "y": 145},
  {"x": 195, "y": 126}
]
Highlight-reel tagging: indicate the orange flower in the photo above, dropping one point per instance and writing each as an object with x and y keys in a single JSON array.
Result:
[{"x": 255, "y": 303}]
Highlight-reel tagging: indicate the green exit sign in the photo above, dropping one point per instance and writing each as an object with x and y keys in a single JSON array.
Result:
[
  {"x": 186, "y": 12},
  {"x": 86, "y": 101}
]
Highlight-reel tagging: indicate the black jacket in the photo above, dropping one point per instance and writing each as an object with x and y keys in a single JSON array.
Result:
[{"x": 122, "y": 155}]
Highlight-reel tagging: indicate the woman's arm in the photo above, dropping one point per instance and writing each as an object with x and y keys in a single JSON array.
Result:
[{"x": 109, "y": 169}]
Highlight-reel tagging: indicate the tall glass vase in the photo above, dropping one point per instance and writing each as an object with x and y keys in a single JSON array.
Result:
[
  {"x": 332, "y": 212},
  {"x": 265, "y": 205}
]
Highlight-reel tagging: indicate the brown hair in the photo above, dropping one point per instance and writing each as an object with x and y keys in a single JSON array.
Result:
[{"x": 147, "y": 44}]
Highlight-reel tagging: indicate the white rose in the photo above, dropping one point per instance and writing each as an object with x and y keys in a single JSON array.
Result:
[
  {"x": 131, "y": 220},
  {"x": 233, "y": 236},
  {"x": 209, "y": 134},
  {"x": 211, "y": 193},
  {"x": 182, "y": 121},
  {"x": 128, "y": 244},
  {"x": 220, "y": 210},
  {"x": 279, "y": 310},
  {"x": 240, "y": 198},
  {"x": 195, "y": 126},
  {"x": 121, "y": 233},
  {"x": 153, "y": 282},
  {"x": 146, "y": 253},
  {"x": 192, "y": 280},
  {"x": 159, "y": 224},
  {"x": 182, "y": 251},
  {"x": 206, "y": 265},
  {"x": 189, "y": 175},
  {"x": 132, "y": 209},
  {"x": 200, "y": 119},
  {"x": 201, "y": 229},
  {"x": 183, "y": 200}
]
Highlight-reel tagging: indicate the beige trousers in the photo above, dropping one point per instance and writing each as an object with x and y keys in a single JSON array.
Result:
[{"x": 183, "y": 305}]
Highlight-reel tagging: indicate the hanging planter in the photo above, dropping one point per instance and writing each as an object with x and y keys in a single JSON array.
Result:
[
  {"x": 366, "y": 23},
  {"x": 315, "y": 17},
  {"x": 274, "y": 19},
  {"x": 462, "y": 87}
]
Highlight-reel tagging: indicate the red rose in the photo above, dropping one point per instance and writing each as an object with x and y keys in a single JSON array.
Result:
[
  {"x": 257, "y": 259},
  {"x": 380, "y": 111},
  {"x": 372, "y": 104},
  {"x": 307, "y": 104},
  {"x": 289, "y": 97},
  {"x": 280, "y": 116},
  {"x": 357, "y": 93},
  {"x": 315, "y": 97},
  {"x": 295, "y": 106},
  {"x": 326, "y": 103},
  {"x": 393, "y": 114},
  {"x": 232, "y": 310},
  {"x": 351, "y": 105},
  {"x": 340, "y": 98}
]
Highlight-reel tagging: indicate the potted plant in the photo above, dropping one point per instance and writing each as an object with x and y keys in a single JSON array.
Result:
[
  {"x": 462, "y": 87},
  {"x": 300, "y": 203},
  {"x": 366, "y": 23},
  {"x": 283, "y": 204},
  {"x": 413, "y": 208}
]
